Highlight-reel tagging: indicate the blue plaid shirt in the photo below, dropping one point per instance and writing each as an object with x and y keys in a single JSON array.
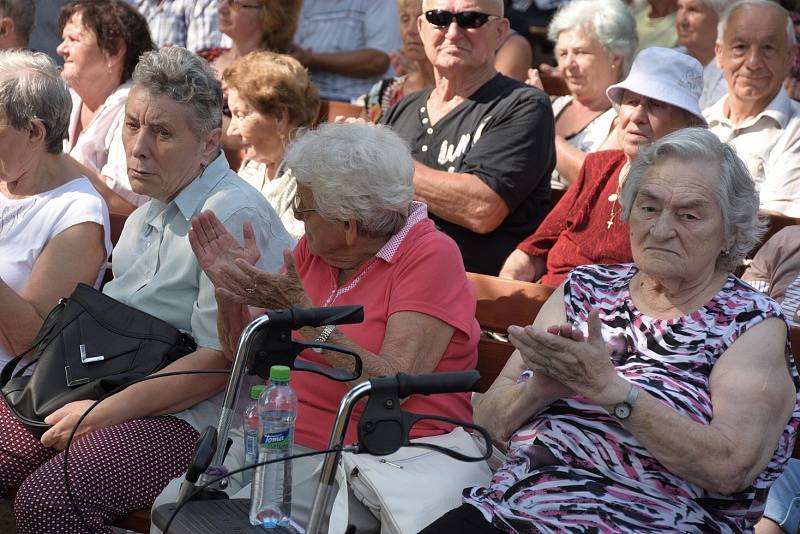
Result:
[{"x": 189, "y": 23}]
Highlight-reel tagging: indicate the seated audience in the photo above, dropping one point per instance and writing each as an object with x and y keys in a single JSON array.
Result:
[
  {"x": 659, "y": 96},
  {"x": 366, "y": 243},
  {"x": 346, "y": 45},
  {"x": 16, "y": 23},
  {"x": 171, "y": 135},
  {"x": 192, "y": 24},
  {"x": 755, "y": 48},
  {"x": 103, "y": 40},
  {"x": 655, "y": 23},
  {"x": 53, "y": 224},
  {"x": 270, "y": 97},
  {"x": 594, "y": 44},
  {"x": 636, "y": 400},
  {"x": 696, "y": 23},
  {"x": 483, "y": 143},
  {"x": 776, "y": 264},
  {"x": 514, "y": 56}
]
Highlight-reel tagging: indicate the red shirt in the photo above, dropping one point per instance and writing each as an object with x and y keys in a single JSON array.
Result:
[
  {"x": 419, "y": 269},
  {"x": 576, "y": 230}
]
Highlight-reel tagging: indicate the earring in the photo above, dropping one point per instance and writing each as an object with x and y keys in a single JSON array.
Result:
[{"x": 725, "y": 253}]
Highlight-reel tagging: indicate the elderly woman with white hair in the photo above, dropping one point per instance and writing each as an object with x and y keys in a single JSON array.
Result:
[
  {"x": 696, "y": 23},
  {"x": 53, "y": 225},
  {"x": 366, "y": 242},
  {"x": 594, "y": 45},
  {"x": 635, "y": 401},
  {"x": 130, "y": 447}
]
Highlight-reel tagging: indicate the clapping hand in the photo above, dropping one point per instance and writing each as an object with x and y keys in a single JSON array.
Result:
[{"x": 216, "y": 248}]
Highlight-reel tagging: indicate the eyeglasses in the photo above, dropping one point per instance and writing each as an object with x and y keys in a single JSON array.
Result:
[
  {"x": 236, "y": 5},
  {"x": 465, "y": 19},
  {"x": 296, "y": 209}
]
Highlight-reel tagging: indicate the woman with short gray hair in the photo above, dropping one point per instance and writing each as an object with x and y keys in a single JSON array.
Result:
[
  {"x": 367, "y": 242},
  {"x": 636, "y": 400},
  {"x": 171, "y": 138},
  {"x": 594, "y": 45},
  {"x": 53, "y": 224}
]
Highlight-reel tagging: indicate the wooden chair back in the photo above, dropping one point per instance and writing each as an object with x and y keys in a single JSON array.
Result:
[
  {"x": 330, "y": 109},
  {"x": 501, "y": 303}
]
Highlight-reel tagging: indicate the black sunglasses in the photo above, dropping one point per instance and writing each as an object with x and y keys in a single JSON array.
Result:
[{"x": 465, "y": 19}]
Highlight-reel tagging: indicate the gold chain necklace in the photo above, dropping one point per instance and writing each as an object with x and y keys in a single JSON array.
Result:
[{"x": 613, "y": 197}]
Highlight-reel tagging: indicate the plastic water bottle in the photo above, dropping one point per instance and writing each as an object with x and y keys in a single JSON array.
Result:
[
  {"x": 271, "y": 495},
  {"x": 251, "y": 423}
]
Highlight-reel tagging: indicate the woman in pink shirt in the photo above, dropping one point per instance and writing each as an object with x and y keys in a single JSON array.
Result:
[{"x": 367, "y": 242}]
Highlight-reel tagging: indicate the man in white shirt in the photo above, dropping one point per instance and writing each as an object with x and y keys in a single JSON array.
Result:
[{"x": 755, "y": 48}]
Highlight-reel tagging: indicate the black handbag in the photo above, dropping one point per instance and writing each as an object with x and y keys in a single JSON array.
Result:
[{"x": 88, "y": 346}]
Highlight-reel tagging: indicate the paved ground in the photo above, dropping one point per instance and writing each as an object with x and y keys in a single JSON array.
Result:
[{"x": 6, "y": 518}]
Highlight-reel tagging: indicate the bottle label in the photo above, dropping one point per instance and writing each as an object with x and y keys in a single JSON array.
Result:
[{"x": 275, "y": 440}]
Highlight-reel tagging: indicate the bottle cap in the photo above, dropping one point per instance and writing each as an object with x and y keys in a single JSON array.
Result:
[
  {"x": 279, "y": 372},
  {"x": 255, "y": 391}
]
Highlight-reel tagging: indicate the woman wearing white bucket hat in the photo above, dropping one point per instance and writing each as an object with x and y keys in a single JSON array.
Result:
[{"x": 659, "y": 96}]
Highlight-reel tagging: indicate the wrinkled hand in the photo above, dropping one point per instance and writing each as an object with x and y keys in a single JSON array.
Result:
[
  {"x": 232, "y": 318},
  {"x": 64, "y": 420},
  {"x": 215, "y": 247},
  {"x": 564, "y": 355},
  {"x": 250, "y": 285},
  {"x": 534, "y": 80}
]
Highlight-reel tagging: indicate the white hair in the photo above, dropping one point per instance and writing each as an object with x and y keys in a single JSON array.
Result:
[
  {"x": 32, "y": 88},
  {"x": 735, "y": 190},
  {"x": 356, "y": 171},
  {"x": 608, "y": 20},
  {"x": 728, "y": 12}
]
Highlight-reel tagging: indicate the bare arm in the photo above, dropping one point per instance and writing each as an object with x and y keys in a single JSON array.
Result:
[
  {"x": 160, "y": 396},
  {"x": 363, "y": 63},
  {"x": 514, "y": 58},
  {"x": 74, "y": 255},
  {"x": 459, "y": 198},
  {"x": 750, "y": 379},
  {"x": 569, "y": 159},
  {"x": 507, "y": 405}
]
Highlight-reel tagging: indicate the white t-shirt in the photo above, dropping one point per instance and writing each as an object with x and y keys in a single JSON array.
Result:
[
  {"x": 28, "y": 224},
  {"x": 279, "y": 192},
  {"x": 91, "y": 146},
  {"x": 590, "y": 139}
]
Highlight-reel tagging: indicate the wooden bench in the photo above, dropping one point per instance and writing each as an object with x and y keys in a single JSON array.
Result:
[
  {"x": 330, "y": 109},
  {"x": 502, "y": 303}
]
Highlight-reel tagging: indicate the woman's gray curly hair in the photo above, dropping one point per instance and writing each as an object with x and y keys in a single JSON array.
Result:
[
  {"x": 185, "y": 78},
  {"x": 735, "y": 191},
  {"x": 356, "y": 171}
]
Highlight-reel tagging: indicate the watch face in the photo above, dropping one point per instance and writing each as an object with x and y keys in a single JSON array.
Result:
[{"x": 622, "y": 410}]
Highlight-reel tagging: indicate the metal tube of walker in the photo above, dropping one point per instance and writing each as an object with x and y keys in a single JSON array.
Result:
[
  {"x": 327, "y": 478},
  {"x": 232, "y": 391}
]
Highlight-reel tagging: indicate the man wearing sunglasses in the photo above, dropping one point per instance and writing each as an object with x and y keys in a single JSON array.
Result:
[{"x": 483, "y": 143}]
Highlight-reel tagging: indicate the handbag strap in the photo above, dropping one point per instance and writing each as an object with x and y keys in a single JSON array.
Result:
[{"x": 47, "y": 327}]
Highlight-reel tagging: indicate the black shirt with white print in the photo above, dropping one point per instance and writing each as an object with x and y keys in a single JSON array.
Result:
[{"x": 503, "y": 134}]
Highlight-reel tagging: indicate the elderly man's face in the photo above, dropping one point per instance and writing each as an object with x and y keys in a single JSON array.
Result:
[
  {"x": 163, "y": 152},
  {"x": 676, "y": 223},
  {"x": 454, "y": 48},
  {"x": 755, "y": 54}
]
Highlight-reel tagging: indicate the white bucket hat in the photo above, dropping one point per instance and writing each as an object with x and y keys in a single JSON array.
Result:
[{"x": 665, "y": 75}]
